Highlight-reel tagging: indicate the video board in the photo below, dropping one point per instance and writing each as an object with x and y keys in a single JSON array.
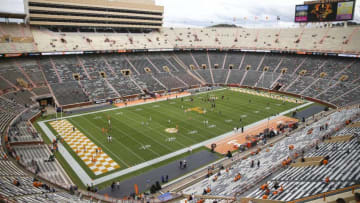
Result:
[{"x": 322, "y": 12}]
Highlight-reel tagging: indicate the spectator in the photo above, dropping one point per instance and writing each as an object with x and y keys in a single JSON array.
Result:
[
  {"x": 340, "y": 200},
  {"x": 276, "y": 185},
  {"x": 327, "y": 180},
  {"x": 357, "y": 197}
]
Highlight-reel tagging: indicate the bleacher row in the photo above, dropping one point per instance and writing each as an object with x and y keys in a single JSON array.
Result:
[
  {"x": 272, "y": 157},
  {"x": 343, "y": 171},
  {"x": 23, "y": 142},
  {"x": 35, "y": 158},
  {"x": 34, "y": 39},
  {"x": 90, "y": 78}
]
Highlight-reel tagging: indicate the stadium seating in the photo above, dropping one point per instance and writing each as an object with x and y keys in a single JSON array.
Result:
[
  {"x": 169, "y": 81},
  {"x": 187, "y": 78},
  {"x": 251, "y": 78},
  {"x": 148, "y": 82},
  {"x": 342, "y": 170},
  {"x": 271, "y": 161},
  {"x": 336, "y": 39},
  {"x": 98, "y": 90},
  {"x": 235, "y": 76},
  {"x": 8, "y": 111},
  {"x": 125, "y": 86},
  {"x": 74, "y": 79},
  {"x": 333, "y": 80},
  {"x": 205, "y": 75},
  {"x": 41, "y": 91},
  {"x": 22, "y": 132},
  {"x": 93, "y": 67},
  {"x": 31, "y": 71},
  {"x": 36, "y": 157},
  {"x": 50, "y": 197},
  {"x": 69, "y": 93},
  {"x": 22, "y": 97}
]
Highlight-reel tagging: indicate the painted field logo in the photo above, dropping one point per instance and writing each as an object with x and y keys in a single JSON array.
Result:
[
  {"x": 171, "y": 139},
  {"x": 196, "y": 109},
  {"x": 171, "y": 130},
  {"x": 145, "y": 147},
  {"x": 192, "y": 132}
]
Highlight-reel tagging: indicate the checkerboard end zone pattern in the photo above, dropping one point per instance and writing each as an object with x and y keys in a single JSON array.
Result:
[{"x": 92, "y": 155}]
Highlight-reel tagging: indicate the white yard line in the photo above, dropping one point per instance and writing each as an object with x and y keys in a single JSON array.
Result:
[{"x": 84, "y": 177}]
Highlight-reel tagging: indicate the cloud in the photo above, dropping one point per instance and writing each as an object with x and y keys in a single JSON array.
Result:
[{"x": 199, "y": 13}]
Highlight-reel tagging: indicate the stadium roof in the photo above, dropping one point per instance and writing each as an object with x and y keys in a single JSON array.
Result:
[{"x": 12, "y": 15}]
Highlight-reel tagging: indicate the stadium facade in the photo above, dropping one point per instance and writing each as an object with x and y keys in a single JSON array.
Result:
[{"x": 133, "y": 15}]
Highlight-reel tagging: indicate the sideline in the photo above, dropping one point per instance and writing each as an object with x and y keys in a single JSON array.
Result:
[{"x": 131, "y": 105}]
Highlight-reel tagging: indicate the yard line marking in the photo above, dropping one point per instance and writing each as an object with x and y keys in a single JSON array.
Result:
[
  {"x": 160, "y": 132},
  {"x": 84, "y": 118}
]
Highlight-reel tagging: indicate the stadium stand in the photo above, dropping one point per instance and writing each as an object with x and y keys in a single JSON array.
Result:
[
  {"x": 37, "y": 159},
  {"x": 185, "y": 58},
  {"x": 342, "y": 170},
  {"x": 22, "y": 132},
  {"x": 69, "y": 93},
  {"x": 149, "y": 83},
  {"x": 22, "y": 97},
  {"x": 125, "y": 86},
  {"x": 272, "y": 158},
  {"x": 98, "y": 90},
  {"x": 169, "y": 81}
]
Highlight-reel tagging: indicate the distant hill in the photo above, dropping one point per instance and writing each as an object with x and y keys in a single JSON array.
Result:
[{"x": 225, "y": 25}]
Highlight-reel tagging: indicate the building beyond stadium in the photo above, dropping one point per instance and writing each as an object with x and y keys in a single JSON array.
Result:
[{"x": 101, "y": 14}]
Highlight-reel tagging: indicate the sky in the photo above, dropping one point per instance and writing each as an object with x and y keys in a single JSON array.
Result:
[{"x": 201, "y": 13}]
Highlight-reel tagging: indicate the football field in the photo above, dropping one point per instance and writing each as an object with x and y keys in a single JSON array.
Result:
[{"x": 144, "y": 132}]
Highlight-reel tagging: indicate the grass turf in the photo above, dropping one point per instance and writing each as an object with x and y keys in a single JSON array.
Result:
[{"x": 135, "y": 142}]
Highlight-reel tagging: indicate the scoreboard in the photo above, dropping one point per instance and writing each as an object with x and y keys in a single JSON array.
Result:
[{"x": 325, "y": 11}]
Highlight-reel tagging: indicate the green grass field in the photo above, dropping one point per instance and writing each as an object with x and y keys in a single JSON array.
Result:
[{"x": 139, "y": 132}]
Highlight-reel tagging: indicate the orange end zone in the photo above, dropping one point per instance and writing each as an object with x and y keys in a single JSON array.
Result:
[
  {"x": 226, "y": 144},
  {"x": 141, "y": 101}
]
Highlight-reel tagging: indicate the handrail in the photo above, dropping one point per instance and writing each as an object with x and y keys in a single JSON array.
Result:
[{"x": 325, "y": 194}]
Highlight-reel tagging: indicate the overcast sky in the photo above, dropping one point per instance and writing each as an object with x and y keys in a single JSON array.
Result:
[
  {"x": 199, "y": 13},
  {"x": 186, "y": 13}
]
